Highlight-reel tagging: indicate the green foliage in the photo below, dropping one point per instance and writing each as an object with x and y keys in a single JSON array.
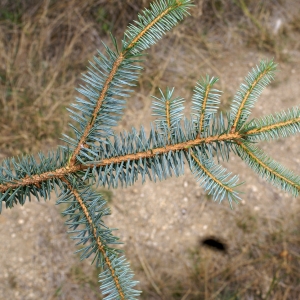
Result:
[
  {"x": 205, "y": 102},
  {"x": 162, "y": 16},
  {"x": 269, "y": 169},
  {"x": 283, "y": 124},
  {"x": 249, "y": 92},
  {"x": 100, "y": 18},
  {"x": 97, "y": 155},
  {"x": 214, "y": 178},
  {"x": 13, "y": 16},
  {"x": 167, "y": 110}
]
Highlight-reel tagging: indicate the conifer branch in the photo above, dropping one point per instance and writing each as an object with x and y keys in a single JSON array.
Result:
[
  {"x": 205, "y": 102},
  {"x": 203, "y": 109},
  {"x": 168, "y": 111},
  {"x": 150, "y": 25},
  {"x": 168, "y": 114},
  {"x": 96, "y": 237},
  {"x": 153, "y": 23},
  {"x": 278, "y": 125},
  {"x": 168, "y": 118},
  {"x": 246, "y": 97},
  {"x": 268, "y": 168},
  {"x": 61, "y": 172},
  {"x": 213, "y": 178},
  {"x": 168, "y": 148},
  {"x": 282, "y": 124},
  {"x": 141, "y": 37},
  {"x": 91, "y": 124},
  {"x": 97, "y": 154},
  {"x": 208, "y": 173}
]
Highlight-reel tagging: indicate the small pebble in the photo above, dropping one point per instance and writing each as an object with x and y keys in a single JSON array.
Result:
[{"x": 254, "y": 188}]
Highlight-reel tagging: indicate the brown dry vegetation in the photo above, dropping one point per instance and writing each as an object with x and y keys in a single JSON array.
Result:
[{"x": 45, "y": 45}]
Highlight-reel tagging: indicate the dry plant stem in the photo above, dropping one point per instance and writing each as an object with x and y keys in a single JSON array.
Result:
[
  {"x": 109, "y": 80},
  {"x": 250, "y": 16},
  {"x": 97, "y": 238},
  {"x": 150, "y": 278}
]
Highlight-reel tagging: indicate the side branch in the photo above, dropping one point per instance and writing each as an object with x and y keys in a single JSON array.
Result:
[
  {"x": 274, "y": 170},
  {"x": 97, "y": 108},
  {"x": 203, "y": 109},
  {"x": 210, "y": 175},
  {"x": 273, "y": 126},
  {"x": 168, "y": 148},
  {"x": 96, "y": 237},
  {"x": 168, "y": 114},
  {"x": 151, "y": 24},
  {"x": 246, "y": 97},
  {"x": 116, "y": 65}
]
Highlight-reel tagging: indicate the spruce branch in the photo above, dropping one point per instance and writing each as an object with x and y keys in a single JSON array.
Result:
[
  {"x": 167, "y": 110},
  {"x": 24, "y": 176},
  {"x": 86, "y": 208},
  {"x": 159, "y": 148},
  {"x": 249, "y": 91},
  {"x": 269, "y": 169},
  {"x": 98, "y": 155},
  {"x": 283, "y": 124},
  {"x": 108, "y": 77},
  {"x": 214, "y": 178},
  {"x": 162, "y": 16},
  {"x": 205, "y": 102}
]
